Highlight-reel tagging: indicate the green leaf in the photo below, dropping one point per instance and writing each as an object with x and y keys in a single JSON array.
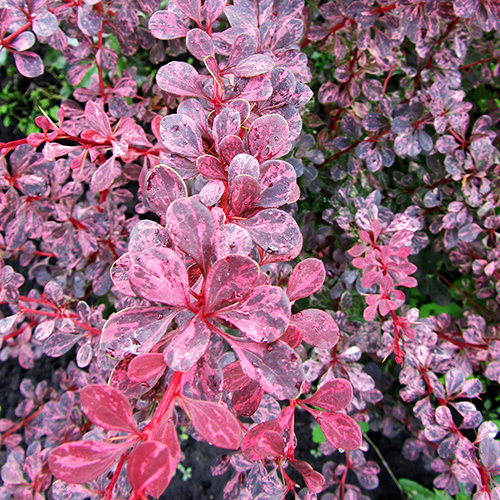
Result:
[
  {"x": 317, "y": 435},
  {"x": 365, "y": 426}
]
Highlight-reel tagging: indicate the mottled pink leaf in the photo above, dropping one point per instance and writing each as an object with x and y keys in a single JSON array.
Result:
[
  {"x": 257, "y": 89},
  {"x": 307, "y": 277},
  {"x": 229, "y": 147},
  {"x": 119, "y": 275},
  {"x": 162, "y": 186},
  {"x": 146, "y": 366},
  {"x": 151, "y": 466},
  {"x": 273, "y": 230},
  {"x": 199, "y": 44},
  {"x": 262, "y": 316},
  {"x": 181, "y": 135},
  {"x": 227, "y": 122},
  {"x": 108, "y": 408},
  {"x": 231, "y": 239},
  {"x": 187, "y": 345},
  {"x": 135, "y": 330},
  {"x": 229, "y": 280},
  {"x": 335, "y": 395},
  {"x": 167, "y": 25},
  {"x": 105, "y": 175},
  {"x": 276, "y": 367},
  {"x": 83, "y": 461},
  {"x": 211, "y": 168},
  {"x": 254, "y": 65},
  {"x": 245, "y": 194},
  {"x": 45, "y": 23},
  {"x": 314, "y": 480},
  {"x": 89, "y": 20},
  {"x": 243, "y": 164},
  {"x": 278, "y": 182},
  {"x": 191, "y": 228},
  {"x": 191, "y": 8},
  {"x": 318, "y": 328},
  {"x": 212, "y": 192},
  {"x": 180, "y": 78},
  {"x": 262, "y": 442},
  {"x": 23, "y": 41},
  {"x": 213, "y": 9},
  {"x": 28, "y": 64},
  {"x": 214, "y": 422},
  {"x": 158, "y": 274},
  {"x": 268, "y": 137}
]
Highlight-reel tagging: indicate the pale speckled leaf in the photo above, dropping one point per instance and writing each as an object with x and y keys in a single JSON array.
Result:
[
  {"x": 28, "y": 64},
  {"x": 227, "y": 122},
  {"x": 181, "y": 79},
  {"x": 211, "y": 168},
  {"x": 158, "y": 274},
  {"x": 273, "y": 230},
  {"x": 278, "y": 181},
  {"x": 340, "y": 430},
  {"x": 135, "y": 330},
  {"x": 181, "y": 135},
  {"x": 167, "y": 25},
  {"x": 212, "y": 192},
  {"x": 245, "y": 194},
  {"x": 199, "y": 44},
  {"x": 229, "y": 147},
  {"x": 229, "y": 280},
  {"x": 191, "y": 8},
  {"x": 318, "y": 328},
  {"x": 262, "y": 316},
  {"x": 192, "y": 229},
  {"x": 254, "y": 65},
  {"x": 243, "y": 164},
  {"x": 232, "y": 239},
  {"x": 213, "y": 9}
]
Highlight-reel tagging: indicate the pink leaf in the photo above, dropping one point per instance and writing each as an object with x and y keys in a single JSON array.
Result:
[
  {"x": 119, "y": 275},
  {"x": 28, "y": 64},
  {"x": 181, "y": 135},
  {"x": 105, "y": 175},
  {"x": 262, "y": 316},
  {"x": 162, "y": 186},
  {"x": 254, "y": 65},
  {"x": 245, "y": 194},
  {"x": 213, "y": 9},
  {"x": 167, "y": 25},
  {"x": 306, "y": 278},
  {"x": 214, "y": 422},
  {"x": 146, "y": 366},
  {"x": 158, "y": 274},
  {"x": 340, "y": 430},
  {"x": 187, "y": 345},
  {"x": 268, "y": 137},
  {"x": 135, "y": 330},
  {"x": 151, "y": 466},
  {"x": 335, "y": 395},
  {"x": 211, "y": 168},
  {"x": 276, "y": 367},
  {"x": 108, "y": 408},
  {"x": 263, "y": 442},
  {"x": 180, "y": 78},
  {"x": 232, "y": 239},
  {"x": 191, "y": 8},
  {"x": 227, "y": 122},
  {"x": 314, "y": 480},
  {"x": 229, "y": 147},
  {"x": 83, "y": 461},
  {"x": 318, "y": 328},
  {"x": 275, "y": 231},
  {"x": 199, "y": 44},
  {"x": 230, "y": 280},
  {"x": 277, "y": 183},
  {"x": 191, "y": 228}
]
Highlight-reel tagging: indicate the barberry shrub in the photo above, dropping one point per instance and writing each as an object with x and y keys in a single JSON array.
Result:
[{"x": 235, "y": 222}]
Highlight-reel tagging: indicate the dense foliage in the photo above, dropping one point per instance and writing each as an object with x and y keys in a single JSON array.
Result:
[{"x": 248, "y": 231}]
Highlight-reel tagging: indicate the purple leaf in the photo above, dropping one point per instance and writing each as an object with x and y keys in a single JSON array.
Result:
[
  {"x": 245, "y": 194},
  {"x": 181, "y": 79},
  {"x": 23, "y": 41},
  {"x": 230, "y": 147},
  {"x": 262, "y": 316},
  {"x": 268, "y": 137},
  {"x": 227, "y": 122},
  {"x": 45, "y": 23},
  {"x": 489, "y": 452},
  {"x": 469, "y": 233},
  {"x": 151, "y": 466},
  {"x": 158, "y": 274},
  {"x": 232, "y": 239},
  {"x": 211, "y": 168},
  {"x": 89, "y": 20},
  {"x": 307, "y": 277},
  {"x": 187, "y": 345},
  {"x": 119, "y": 275},
  {"x": 318, "y": 328},
  {"x": 229, "y": 280},
  {"x": 105, "y": 175},
  {"x": 254, "y": 65},
  {"x": 108, "y": 408},
  {"x": 167, "y": 25},
  {"x": 214, "y": 422},
  {"x": 135, "y": 330},
  {"x": 192, "y": 228},
  {"x": 273, "y": 230},
  {"x": 191, "y": 8},
  {"x": 181, "y": 135},
  {"x": 213, "y": 9},
  {"x": 162, "y": 186},
  {"x": 28, "y": 64},
  {"x": 276, "y": 367},
  {"x": 83, "y": 461},
  {"x": 243, "y": 164},
  {"x": 59, "y": 343}
]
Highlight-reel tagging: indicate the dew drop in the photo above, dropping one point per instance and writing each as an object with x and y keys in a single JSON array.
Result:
[
  {"x": 269, "y": 348},
  {"x": 293, "y": 357},
  {"x": 160, "y": 316},
  {"x": 341, "y": 450}
]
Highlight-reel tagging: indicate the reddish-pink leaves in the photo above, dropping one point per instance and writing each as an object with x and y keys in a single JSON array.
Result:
[
  {"x": 318, "y": 328},
  {"x": 108, "y": 408},
  {"x": 214, "y": 422},
  {"x": 83, "y": 461},
  {"x": 307, "y": 277},
  {"x": 181, "y": 135},
  {"x": 335, "y": 395},
  {"x": 339, "y": 429},
  {"x": 146, "y": 366},
  {"x": 191, "y": 228},
  {"x": 181, "y": 79},
  {"x": 269, "y": 137},
  {"x": 264, "y": 441},
  {"x": 151, "y": 466}
]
